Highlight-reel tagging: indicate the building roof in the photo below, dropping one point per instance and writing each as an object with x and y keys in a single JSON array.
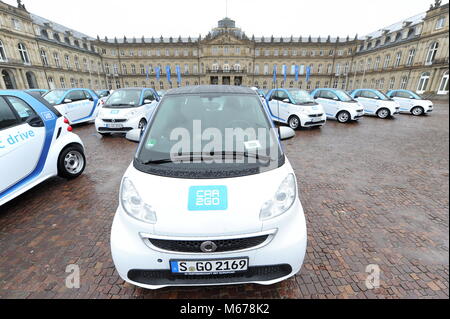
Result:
[
  {"x": 43, "y": 22},
  {"x": 412, "y": 21}
]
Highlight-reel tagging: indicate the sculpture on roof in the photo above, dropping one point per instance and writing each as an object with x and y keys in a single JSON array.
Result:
[
  {"x": 20, "y": 5},
  {"x": 437, "y": 4}
]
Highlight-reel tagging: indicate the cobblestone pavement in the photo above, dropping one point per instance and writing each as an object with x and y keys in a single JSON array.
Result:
[{"x": 374, "y": 192}]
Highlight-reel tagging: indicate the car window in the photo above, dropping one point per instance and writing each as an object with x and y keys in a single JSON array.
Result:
[
  {"x": 404, "y": 95},
  {"x": 369, "y": 95},
  {"x": 7, "y": 116},
  {"x": 148, "y": 95},
  {"x": 54, "y": 97},
  {"x": 327, "y": 95},
  {"x": 87, "y": 95},
  {"x": 282, "y": 95},
  {"x": 359, "y": 94},
  {"x": 76, "y": 96},
  {"x": 23, "y": 109}
]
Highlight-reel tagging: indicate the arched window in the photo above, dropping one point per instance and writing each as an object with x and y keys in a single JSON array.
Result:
[
  {"x": 3, "y": 57},
  {"x": 443, "y": 87},
  {"x": 432, "y": 52},
  {"x": 24, "y": 53},
  {"x": 423, "y": 82}
]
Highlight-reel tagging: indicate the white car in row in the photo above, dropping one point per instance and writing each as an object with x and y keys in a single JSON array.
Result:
[
  {"x": 338, "y": 105},
  {"x": 36, "y": 143},
  {"x": 376, "y": 103},
  {"x": 296, "y": 108},
  {"x": 184, "y": 217},
  {"x": 410, "y": 102},
  {"x": 125, "y": 110}
]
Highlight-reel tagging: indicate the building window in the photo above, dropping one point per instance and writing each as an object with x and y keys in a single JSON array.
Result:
[
  {"x": 391, "y": 83},
  {"x": 124, "y": 69},
  {"x": 143, "y": 69},
  {"x": 335, "y": 83},
  {"x": 432, "y": 52},
  {"x": 86, "y": 66},
  {"x": 257, "y": 52},
  {"x": 107, "y": 70},
  {"x": 77, "y": 63},
  {"x": 266, "y": 69},
  {"x": 377, "y": 63},
  {"x": 404, "y": 82},
  {"x": 319, "y": 69},
  {"x": 116, "y": 69},
  {"x": 63, "y": 82},
  {"x": 398, "y": 59},
  {"x": 44, "y": 58},
  {"x": 167, "y": 52},
  {"x": 443, "y": 87},
  {"x": 16, "y": 24},
  {"x": 387, "y": 61},
  {"x": 56, "y": 58},
  {"x": 329, "y": 68},
  {"x": 411, "y": 55},
  {"x": 133, "y": 69},
  {"x": 423, "y": 82},
  {"x": 3, "y": 57},
  {"x": 24, "y": 53},
  {"x": 440, "y": 23},
  {"x": 118, "y": 86},
  {"x": 67, "y": 59},
  {"x": 186, "y": 69},
  {"x": 338, "y": 69}
]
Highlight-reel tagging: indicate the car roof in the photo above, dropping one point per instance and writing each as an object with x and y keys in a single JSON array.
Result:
[{"x": 202, "y": 89}]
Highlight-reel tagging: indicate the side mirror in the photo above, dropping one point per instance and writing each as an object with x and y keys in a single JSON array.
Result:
[
  {"x": 68, "y": 101},
  {"x": 286, "y": 133},
  {"x": 336, "y": 99},
  {"x": 134, "y": 135},
  {"x": 147, "y": 101}
]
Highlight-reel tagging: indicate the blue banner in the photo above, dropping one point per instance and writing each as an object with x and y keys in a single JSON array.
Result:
[
  {"x": 308, "y": 74},
  {"x": 147, "y": 72},
  {"x": 297, "y": 73},
  {"x": 284, "y": 73},
  {"x": 158, "y": 73},
  {"x": 178, "y": 74},
  {"x": 168, "y": 74}
]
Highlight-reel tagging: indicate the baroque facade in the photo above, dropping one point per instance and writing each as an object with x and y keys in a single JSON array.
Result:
[{"x": 38, "y": 53}]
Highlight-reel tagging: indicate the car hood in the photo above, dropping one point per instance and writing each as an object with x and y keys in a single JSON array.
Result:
[{"x": 170, "y": 197}]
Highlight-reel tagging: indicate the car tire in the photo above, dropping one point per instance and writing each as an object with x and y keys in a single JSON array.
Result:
[
  {"x": 417, "y": 111},
  {"x": 142, "y": 124},
  {"x": 71, "y": 162},
  {"x": 383, "y": 113},
  {"x": 344, "y": 117},
  {"x": 294, "y": 122}
]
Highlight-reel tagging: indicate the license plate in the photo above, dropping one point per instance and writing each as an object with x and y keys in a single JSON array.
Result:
[
  {"x": 317, "y": 119},
  {"x": 114, "y": 125},
  {"x": 209, "y": 267}
]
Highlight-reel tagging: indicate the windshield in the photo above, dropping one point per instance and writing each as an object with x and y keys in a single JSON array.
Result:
[
  {"x": 124, "y": 99},
  {"x": 343, "y": 96},
  {"x": 415, "y": 95},
  {"x": 192, "y": 129},
  {"x": 301, "y": 97},
  {"x": 54, "y": 97}
]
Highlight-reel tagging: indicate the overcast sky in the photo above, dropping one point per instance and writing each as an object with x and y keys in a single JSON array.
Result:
[{"x": 193, "y": 17}]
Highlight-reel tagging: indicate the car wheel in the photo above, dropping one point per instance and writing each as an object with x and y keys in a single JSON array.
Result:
[
  {"x": 344, "y": 117},
  {"x": 142, "y": 124},
  {"x": 383, "y": 113},
  {"x": 71, "y": 162},
  {"x": 417, "y": 111},
  {"x": 294, "y": 122}
]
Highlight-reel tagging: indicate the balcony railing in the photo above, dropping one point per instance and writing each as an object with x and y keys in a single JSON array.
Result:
[{"x": 230, "y": 70}]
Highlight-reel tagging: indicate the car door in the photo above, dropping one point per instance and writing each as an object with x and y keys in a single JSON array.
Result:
[
  {"x": 274, "y": 106},
  {"x": 77, "y": 106},
  {"x": 404, "y": 100},
  {"x": 149, "y": 108},
  {"x": 285, "y": 104},
  {"x": 329, "y": 101},
  {"x": 368, "y": 100},
  {"x": 22, "y": 137}
]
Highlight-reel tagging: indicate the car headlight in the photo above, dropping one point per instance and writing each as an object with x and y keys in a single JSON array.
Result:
[
  {"x": 282, "y": 201},
  {"x": 134, "y": 205}
]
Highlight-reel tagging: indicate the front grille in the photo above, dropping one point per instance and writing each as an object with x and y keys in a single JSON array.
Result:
[
  {"x": 314, "y": 123},
  {"x": 316, "y": 115},
  {"x": 360, "y": 111},
  {"x": 114, "y": 120},
  {"x": 107, "y": 129},
  {"x": 166, "y": 277},
  {"x": 184, "y": 246}
]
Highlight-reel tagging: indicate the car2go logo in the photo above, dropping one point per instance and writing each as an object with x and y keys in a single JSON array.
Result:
[
  {"x": 16, "y": 140},
  {"x": 208, "y": 198}
]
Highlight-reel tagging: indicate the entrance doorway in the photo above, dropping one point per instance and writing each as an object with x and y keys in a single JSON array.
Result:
[
  {"x": 214, "y": 80},
  {"x": 238, "y": 81},
  {"x": 226, "y": 80},
  {"x": 31, "y": 79}
]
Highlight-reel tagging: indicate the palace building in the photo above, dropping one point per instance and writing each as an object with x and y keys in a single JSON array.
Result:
[{"x": 411, "y": 54}]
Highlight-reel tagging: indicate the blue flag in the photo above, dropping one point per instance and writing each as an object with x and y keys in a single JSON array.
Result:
[
  {"x": 158, "y": 73},
  {"x": 168, "y": 74},
  {"x": 284, "y": 73},
  {"x": 274, "y": 74},
  {"x": 308, "y": 74},
  {"x": 147, "y": 73},
  {"x": 178, "y": 74},
  {"x": 297, "y": 72}
]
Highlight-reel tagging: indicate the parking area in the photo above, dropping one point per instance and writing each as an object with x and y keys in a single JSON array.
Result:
[{"x": 375, "y": 194}]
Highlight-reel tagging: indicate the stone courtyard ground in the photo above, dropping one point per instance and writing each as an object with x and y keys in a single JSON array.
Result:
[{"x": 374, "y": 193}]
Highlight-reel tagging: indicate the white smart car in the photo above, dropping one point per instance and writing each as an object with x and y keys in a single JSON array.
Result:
[
  {"x": 411, "y": 102},
  {"x": 125, "y": 110},
  {"x": 77, "y": 105},
  {"x": 338, "y": 105},
  {"x": 210, "y": 198},
  {"x": 36, "y": 143},
  {"x": 376, "y": 103},
  {"x": 296, "y": 108}
]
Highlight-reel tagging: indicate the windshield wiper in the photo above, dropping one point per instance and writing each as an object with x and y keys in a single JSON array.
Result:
[{"x": 205, "y": 156}]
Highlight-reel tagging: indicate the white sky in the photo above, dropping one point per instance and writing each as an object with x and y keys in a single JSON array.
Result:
[{"x": 193, "y": 17}]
